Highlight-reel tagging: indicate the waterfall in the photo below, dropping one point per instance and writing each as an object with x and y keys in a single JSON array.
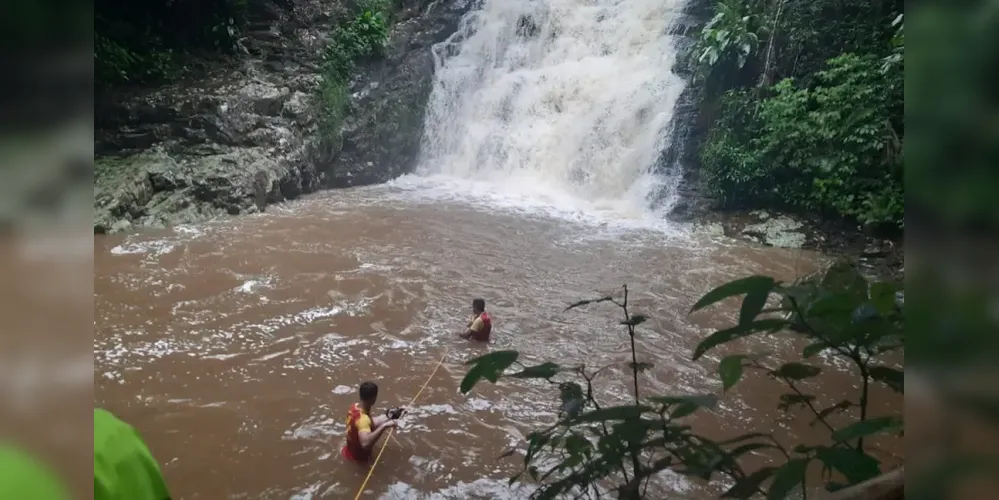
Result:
[{"x": 563, "y": 99}]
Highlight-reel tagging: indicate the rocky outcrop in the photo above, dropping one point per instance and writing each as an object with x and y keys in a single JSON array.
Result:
[
  {"x": 384, "y": 125},
  {"x": 247, "y": 135},
  {"x": 686, "y": 128}
]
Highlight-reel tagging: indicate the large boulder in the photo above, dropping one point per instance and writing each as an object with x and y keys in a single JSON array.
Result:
[{"x": 156, "y": 189}]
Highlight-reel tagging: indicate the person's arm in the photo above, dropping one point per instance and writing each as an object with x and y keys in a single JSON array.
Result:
[
  {"x": 474, "y": 327},
  {"x": 370, "y": 437},
  {"x": 468, "y": 328}
]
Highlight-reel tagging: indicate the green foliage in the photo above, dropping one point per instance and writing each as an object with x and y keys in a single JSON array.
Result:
[
  {"x": 830, "y": 149},
  {"x": 116, "y": 64},
  {"x": 141, "y": 42},
  {"x": 897, "y": 45},
  {"x": 807, "y": 34},
  {"x": 597, "y": 449},
  {"x": 827, "y": 138},
  {"x": 362, "y": 37},
  {"x": 728, "y": 40}
]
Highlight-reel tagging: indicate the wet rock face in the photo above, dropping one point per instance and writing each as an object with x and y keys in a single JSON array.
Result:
[
  {"x": 384, "y": 124},
  {"x": 687, "y": 132},
  {"x": 776, "y": 231},
  {"x": 247, "y": 135}
]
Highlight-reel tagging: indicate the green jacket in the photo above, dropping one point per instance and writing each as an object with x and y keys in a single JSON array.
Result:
[{"x": 123, "y": 467}]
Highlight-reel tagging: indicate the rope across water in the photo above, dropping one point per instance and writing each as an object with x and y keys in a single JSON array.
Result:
[{"x": 389, "y": 437}]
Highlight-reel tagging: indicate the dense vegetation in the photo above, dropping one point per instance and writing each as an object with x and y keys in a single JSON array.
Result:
[
  {"x": 361, "y": 37},
  {"x": 806, "y": 103},
  {"x": 595, "y": 449},
  {"x": 149, "y": 44},
  {"x": 156, "y": 42},
  {"x": 144, "y": 42}
]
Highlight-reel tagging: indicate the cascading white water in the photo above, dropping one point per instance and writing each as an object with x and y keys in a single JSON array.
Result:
[{"x": 559, "y": 99}]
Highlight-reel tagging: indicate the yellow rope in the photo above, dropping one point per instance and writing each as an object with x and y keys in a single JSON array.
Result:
[{"x": 389, "y": 436}]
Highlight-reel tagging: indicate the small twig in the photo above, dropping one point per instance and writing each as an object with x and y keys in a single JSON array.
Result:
[
  {"x": 808, "y": 403},
  {"x": 865, "y": 388},
  {"x": 635, "y": 462}
]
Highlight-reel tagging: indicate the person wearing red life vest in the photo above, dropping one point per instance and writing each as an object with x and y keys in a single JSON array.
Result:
[
  {"x": 480, "y": 325},
  {"x": 363, "y": 430}
]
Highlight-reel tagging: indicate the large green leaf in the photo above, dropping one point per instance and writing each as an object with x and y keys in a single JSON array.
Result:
[
  {"x": 753, "y": 303},
  {"x": 867, "y": 427},
  {"x": 748, "y": 486},
  {"x": 789, "y": 476},
  {"x": 489, "y": 367},
  {"x": 730, "y": 370},
  {"x": 832, "y": 316},
  {"x": 544, "y": 370},
  {"x": 751, "y": 284},
  {"x": 736, "y": 332},
  {"x": 895, "y": 379},
  {"x": 883, "y": 297},
  {"x": 796, "y": 371},
  {"x": 855, "y": 465}
]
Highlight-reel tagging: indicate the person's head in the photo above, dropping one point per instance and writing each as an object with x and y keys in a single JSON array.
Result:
[
  {"x": 368, "y": 393},
  {"x": 478, "y": 306}
]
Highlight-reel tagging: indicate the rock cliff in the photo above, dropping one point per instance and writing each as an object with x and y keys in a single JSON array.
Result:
[{"x": 247, "y": 134}]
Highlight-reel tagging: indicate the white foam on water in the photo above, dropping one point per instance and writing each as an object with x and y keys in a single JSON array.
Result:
[
  {"x": 480, "y": 488},
  {"x": 154, "y": 248},
  {"x": 308, "y": 493},
  {"x": 252, "y": 285},
  {"x": 342, "y": 390},
  {"x": 317, "y": 429}
]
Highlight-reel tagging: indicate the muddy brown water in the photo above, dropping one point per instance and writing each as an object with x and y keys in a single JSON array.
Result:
[{"x": 236, "y": 346}]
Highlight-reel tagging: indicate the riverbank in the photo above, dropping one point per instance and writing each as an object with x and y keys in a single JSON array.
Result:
[
  {"x": 881, "y": 257},
  {"x": 252, "y": 134}
]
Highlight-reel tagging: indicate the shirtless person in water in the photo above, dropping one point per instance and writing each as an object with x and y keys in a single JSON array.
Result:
[{"x": 480, "y": 325}]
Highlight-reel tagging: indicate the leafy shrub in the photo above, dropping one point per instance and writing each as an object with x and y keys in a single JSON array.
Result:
[
  {"x": 116, "y": 64},
  {"x": 807, "y": 34},
  {"x": 598, "y": 449},
  {"x": 361, "y": 38},
  {"x": 139, "y": 42},
  {"x": 830, "y": 149},
  {"x": 727, "y": 42}
]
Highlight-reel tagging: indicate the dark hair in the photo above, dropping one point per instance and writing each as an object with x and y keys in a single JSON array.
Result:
[
  {"x": 369, "y": 391},
  {"x": 479, "y": 305}
]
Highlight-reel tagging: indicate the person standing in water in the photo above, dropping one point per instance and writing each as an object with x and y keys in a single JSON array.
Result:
[
  {"x": 481, "y": 325},
  {"x": 363, "y": 430}
]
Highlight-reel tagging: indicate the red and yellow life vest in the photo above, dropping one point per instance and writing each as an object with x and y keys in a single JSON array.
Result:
[
  {"x": 487, "y": 327},
  {"x": 357, "y": 421}
]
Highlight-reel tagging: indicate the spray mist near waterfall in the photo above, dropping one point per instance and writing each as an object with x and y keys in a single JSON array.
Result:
[{"x": 564, "y": 100}]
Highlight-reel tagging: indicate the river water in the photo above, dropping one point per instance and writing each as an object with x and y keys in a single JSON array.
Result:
[{"x": 236, "y": 346}]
